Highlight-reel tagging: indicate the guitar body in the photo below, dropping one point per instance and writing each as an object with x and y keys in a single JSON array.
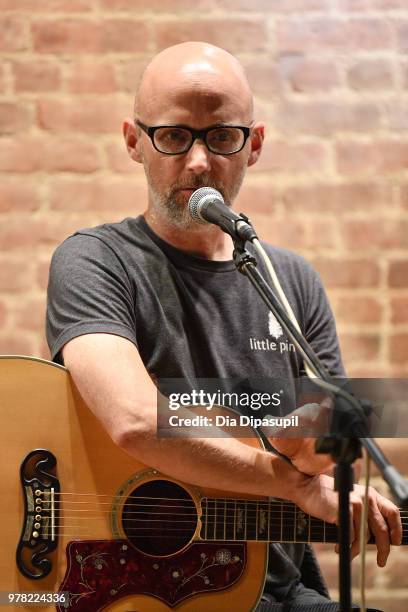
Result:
[{"x": 95, "y": 548}]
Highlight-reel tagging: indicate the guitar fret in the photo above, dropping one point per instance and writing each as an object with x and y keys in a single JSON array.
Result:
[
  {"x": 263, "y": 522},
  {"x": 295, "y": 527},
  {"x": 225, "y": 518},
  {"x": 275, "y": 520},
  {"x": 320, "y": 531},
  {"x": 281, "y": 535},
  {"x": 235, "y": 519},
  {"x": 316, "y": 528},
  {"x": 229, "y": 533},
  {"x": 281, "y": 521},
  {"x": 206, "y": 520},
  {"x": 256, "y": 520},
  {"x": 215, "y": 520},
  {"x": 251, "y": 521},
  {"x": 332, "y": 533},
  {"x": 220, "y": 521},
  {"x": 289, "y": 526},
  {"x": 210, "y": 519},
  {"x": 245, "y": 520},
  {"x": 240, "y": 520}
]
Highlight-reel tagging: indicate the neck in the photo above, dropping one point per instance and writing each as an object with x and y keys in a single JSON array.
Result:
[
  {"x": 273, "y": 520},
  {"x": 207, "y": 241}
]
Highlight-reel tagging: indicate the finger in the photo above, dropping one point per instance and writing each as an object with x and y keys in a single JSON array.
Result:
[
  {"x": 357, "y": 510},
  {"x": 379, "y": 528},
  {"x": 382, "y": 539},
  {"x": 393, "y": 518}
]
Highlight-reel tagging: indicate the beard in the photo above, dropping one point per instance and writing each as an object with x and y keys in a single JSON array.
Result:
[{"x": 172, "y": 204}]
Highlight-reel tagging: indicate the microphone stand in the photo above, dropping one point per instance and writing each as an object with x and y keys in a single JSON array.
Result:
[{"x": 352, "y": 413}]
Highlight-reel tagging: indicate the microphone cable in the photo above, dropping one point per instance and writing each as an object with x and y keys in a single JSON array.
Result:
[{"x": 312, "y": 374}]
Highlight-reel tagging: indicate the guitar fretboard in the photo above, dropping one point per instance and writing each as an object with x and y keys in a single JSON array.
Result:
[{"x": 268, "y": 521}]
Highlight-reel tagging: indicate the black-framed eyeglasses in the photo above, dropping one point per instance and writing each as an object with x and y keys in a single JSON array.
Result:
[{"x": 178, "y": 139}]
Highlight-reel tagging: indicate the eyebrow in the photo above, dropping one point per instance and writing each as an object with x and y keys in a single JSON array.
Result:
[{"x": 209, "y": 127}]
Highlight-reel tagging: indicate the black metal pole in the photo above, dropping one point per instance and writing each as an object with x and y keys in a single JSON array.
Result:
[{"x": 344, "y": 484}]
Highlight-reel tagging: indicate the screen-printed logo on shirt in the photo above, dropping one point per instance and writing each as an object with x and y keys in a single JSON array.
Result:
[{"x": 274, "y": 330}]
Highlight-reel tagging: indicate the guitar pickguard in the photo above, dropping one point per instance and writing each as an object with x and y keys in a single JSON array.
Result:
[{"x": 100, "y": 572}]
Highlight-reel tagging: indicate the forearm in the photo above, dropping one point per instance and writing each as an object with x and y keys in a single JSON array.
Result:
[
  {"x": 220, "y": 463},
  {"x": 124, "y": 399}
]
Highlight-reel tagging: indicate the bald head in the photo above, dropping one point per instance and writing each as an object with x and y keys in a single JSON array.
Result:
[{"x": 195, "y": 76}]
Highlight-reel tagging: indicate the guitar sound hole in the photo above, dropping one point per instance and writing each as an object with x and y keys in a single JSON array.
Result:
[{"x": 159, "y": 518}]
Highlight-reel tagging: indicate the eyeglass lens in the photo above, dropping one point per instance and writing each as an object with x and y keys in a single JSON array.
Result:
[{"x": 221, "y": 140}]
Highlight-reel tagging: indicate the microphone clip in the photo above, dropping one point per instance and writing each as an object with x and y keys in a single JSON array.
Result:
[{"x": 241, "y": 256}]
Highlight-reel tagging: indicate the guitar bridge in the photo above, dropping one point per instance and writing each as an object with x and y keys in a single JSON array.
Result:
[{"x": 41, "y": 508}]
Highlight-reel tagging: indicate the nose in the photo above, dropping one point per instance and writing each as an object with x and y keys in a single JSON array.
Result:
[{"x": 198, "y": 158}]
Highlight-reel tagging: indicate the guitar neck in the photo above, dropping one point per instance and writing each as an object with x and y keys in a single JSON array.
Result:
[{"x": 265, "y": 521}]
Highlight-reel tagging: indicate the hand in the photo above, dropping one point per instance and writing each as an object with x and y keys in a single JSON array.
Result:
[
  {"x": 301, "y": 451},
  {"x": 317, "y": 497}
]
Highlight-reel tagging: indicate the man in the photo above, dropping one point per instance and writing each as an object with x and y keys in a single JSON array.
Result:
[{"x": 144, "y": 299}]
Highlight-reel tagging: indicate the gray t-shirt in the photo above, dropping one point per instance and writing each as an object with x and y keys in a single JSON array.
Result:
[{"x": 189, "y": 318}]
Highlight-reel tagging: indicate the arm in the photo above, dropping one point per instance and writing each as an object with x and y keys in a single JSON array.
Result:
[
  {"x": 113, "y": 381},
  {"x": 91, "y": 319},
  {"x": 111, "y": 378}
]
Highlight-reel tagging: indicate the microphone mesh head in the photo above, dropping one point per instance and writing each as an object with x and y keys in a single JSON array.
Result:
[{"x": 198, "y": 198}]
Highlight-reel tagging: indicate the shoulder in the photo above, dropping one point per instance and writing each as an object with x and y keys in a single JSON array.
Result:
[
  {"x": 110, "y": 239},
  {"x": 291, "y": 265}
]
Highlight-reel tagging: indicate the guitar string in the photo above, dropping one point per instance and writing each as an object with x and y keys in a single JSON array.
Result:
[
  {"x": 179, "y": 500},
  {"x": 287, "y": 528},
  {"x": 204, "y": 519},
  {"x": 327, "y": 529},
  {"x": 75, "y": 536},
  {"x": 205, "y": 511},
  {"x": 322, "y": 537},
  {"x": 271, "y": 507},
  {"x": 177, "y": 529},
  {"x": 189, "y": 502},
  {"x": 232, "y": 524},
  {"x": 249, "y": 523},
  {"x": 286, "y": 537},
  {"x": 226, "y": 523},
  {"x": 194, "y": 521},
  {"x": 316, "y": 532},
  {"x": 203, "y": 516},
  {"x": 134, "y": 502}
]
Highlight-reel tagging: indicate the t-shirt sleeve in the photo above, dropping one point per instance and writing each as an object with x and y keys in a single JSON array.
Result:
[
  {"x": 320, "y": 328},
  {"x": 89, "y": 291}
]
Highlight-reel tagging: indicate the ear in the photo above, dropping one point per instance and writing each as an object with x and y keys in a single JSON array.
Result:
[
  {"x": 256, "y": 139},
  {"x": 131, "y": 135}
]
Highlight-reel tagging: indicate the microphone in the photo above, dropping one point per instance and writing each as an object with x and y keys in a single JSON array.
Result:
[{"x": 206, "y": 205}]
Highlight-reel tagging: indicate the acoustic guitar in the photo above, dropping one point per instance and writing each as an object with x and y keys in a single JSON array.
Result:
[{"x": 85, "y": 527}]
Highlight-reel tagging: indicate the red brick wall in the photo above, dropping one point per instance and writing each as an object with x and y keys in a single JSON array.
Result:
[{"x": 331, "y": 80}]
